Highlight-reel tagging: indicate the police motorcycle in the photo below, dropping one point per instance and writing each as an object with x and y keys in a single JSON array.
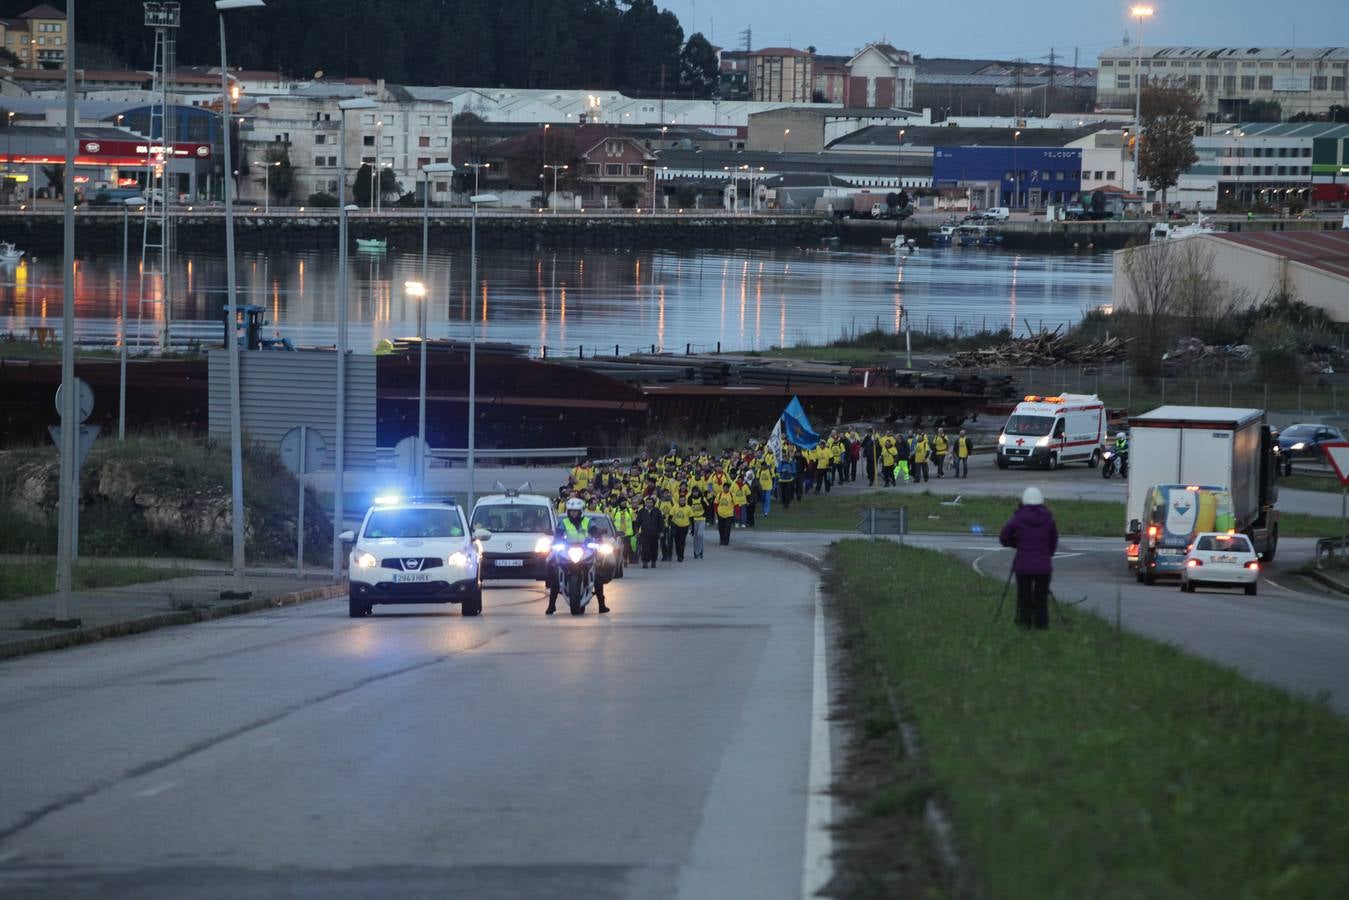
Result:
[
  {"x": 572, "y": 567},
  {"x": 1113, "y": 459}
]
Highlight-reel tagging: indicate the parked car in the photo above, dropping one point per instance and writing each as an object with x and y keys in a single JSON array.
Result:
[
  {"x": 1218, "y": 559},
  {"x": 1303, "y": 441}
]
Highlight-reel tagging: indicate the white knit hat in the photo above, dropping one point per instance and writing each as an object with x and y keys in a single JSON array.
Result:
[{"x": 1031, "y": 496}]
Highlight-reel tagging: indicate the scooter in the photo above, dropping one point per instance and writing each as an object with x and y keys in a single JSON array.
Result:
[
  {"x": 574, "y": 573},
  {"x": 1112, "y": 460}
]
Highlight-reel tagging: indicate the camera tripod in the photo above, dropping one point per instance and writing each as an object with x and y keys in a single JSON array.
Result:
[{"x": 1053, "y": 601}]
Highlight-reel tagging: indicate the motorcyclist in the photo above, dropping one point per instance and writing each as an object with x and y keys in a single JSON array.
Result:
[
  {"x": 574, "y": 528},
  {"x": 1122, "y": 451}
]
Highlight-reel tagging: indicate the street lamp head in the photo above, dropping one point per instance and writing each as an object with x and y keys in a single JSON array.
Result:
[
  {"x": 351, "y": 207},
  {"x": 438, "y": 168},
  {"x": 415, "y": 289},
  {"x": 134, "y": 201},
  {"x": 483, "y": 198},
  {"x": 1140, "y": 11},
  {"x": 227, "y": 5}
]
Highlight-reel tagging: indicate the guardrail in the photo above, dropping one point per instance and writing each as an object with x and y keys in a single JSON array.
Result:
[
  {"x": 1325, "y": 550},
  {"x": 389, "y": 455}
]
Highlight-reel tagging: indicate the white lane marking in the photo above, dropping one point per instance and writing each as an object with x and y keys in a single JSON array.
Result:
[
  {"x": 157, "y": 789},
  {"x": 818, "y": 857},
  {"x": 978, "y": 559}
]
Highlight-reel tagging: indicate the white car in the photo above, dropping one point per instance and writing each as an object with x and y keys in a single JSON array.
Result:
[
  {"x": 522, "y": 534},
  {"x": 414, "y": 551},
  {"x": 1218, "y": 559}
]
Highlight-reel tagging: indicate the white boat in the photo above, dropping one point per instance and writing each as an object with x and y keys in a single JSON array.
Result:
[
  {"x": 9, "y": 254},
  {"x": 1165, "y": 231}
]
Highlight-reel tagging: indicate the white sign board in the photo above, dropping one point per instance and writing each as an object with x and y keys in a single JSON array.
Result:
[{"x": 1292, "y": 83}]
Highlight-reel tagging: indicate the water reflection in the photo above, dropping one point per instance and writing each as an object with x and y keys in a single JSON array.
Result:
[{"x": 591, "y": 298}]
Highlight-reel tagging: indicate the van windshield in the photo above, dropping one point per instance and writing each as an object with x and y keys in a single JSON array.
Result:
[
  {"x": 1029, "y": 426},
  {"x": 517, "y": 518}
]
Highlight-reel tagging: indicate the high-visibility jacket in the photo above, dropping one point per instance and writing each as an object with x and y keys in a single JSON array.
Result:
[
  {"x": 681, "y": 514},
  {"x": 623, "y": 520},
  {"x": 921, "y": 450},
  {"x": 739, "y": 493},
  {"x": 888, "y": 451},
  {"x": 573, "y": 532},
  {"x": 765, "y": 479},
  {"x": 581, "y": 476},
  {"x": 940, "y": 445},
  {"x": 725, "y": 504},
  {"x": 699, "y": 505},
  {"x": 837, "y": 450},
  {"x": 963, "y": 447}
]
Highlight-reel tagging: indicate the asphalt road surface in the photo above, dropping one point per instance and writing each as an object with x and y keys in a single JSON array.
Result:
[
  {"x": 1292, "y": 634},
  {"x": 668, "y": 749}
]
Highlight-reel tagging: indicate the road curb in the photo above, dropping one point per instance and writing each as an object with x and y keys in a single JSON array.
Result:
[
  {"x": 1325, "y": 580},
  {"x": 75, "y": 637}
]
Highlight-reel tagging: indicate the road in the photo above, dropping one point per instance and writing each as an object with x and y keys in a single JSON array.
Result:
[
  {"x": 664, "y": 750},
  {"x": 1292, "y": 634}
]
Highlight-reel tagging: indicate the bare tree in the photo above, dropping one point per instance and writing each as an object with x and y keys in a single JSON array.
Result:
[{"x": 1150, "y": 271}]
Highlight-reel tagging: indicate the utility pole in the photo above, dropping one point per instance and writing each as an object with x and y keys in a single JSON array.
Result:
[{"x": 1044, "y": 107}]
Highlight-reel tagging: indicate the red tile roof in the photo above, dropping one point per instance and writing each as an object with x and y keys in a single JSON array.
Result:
[{"x": 1324, "y": 250}]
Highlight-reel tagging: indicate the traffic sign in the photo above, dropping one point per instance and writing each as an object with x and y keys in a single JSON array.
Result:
[
  {"x": 1338, "y": 455},
  {"x": 84, "y": 399},
  {"x": 311, "y": 444},
  {"x": 86, "y": 438}
]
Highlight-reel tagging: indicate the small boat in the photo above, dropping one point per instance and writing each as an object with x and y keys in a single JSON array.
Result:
[
  {"x": 978, "y": 236},
  {"x": 9, "y": 254},
  {"x": 1165, "y": 231},
  {"x": 372, "y": 245},
  {"x": 945, "y": 235}
]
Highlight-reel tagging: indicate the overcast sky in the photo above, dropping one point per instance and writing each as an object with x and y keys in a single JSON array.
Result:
[{"x": 1009, "y": 29}]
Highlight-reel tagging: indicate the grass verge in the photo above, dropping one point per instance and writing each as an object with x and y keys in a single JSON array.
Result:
[
  {"x": 981, "y": 515},
  {"x": 36, "y": 577},
  {"x": 1085, "y": 762}
]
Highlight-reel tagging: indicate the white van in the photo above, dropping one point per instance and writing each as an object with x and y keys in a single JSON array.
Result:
[
  {"x": 522, "y": 533},
  {"x": 997, "y": 214},
  {"x": 1051, "y": 431}
]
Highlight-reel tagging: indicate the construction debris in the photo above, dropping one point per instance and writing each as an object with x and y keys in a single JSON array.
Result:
[{"x": 1041, "y": 351}]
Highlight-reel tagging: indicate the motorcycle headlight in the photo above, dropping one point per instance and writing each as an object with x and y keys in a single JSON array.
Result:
[
  {"x": 606, "y": 549},
  {"x": 575, "y": 553},
  {"x": 365, "y": 561},
  {"x": 542, "y": 545},
  {"x": 559, "y": 547},
  {"x": 458, "y": 559}
]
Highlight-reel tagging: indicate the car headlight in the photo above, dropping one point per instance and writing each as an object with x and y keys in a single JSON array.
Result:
[
  {"x": 365, "y": 561},
  {"x": 458, "y": 559},
  {"x": 1043, "y": 442},
  {"x": 1002, "y": 439},
  {"x": 575, "y": 553},
  {"x": 1299, "y": 445},
  {"x": 542, "y": 545}
]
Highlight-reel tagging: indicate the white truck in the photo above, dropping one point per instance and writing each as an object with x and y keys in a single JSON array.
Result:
[{"x": 1198, "y": 468}]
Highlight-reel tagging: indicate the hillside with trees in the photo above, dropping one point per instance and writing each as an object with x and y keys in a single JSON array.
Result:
[{"x": 630, "y": 45}]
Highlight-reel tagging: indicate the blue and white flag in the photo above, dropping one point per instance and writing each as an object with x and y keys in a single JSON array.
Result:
[{"x": 796, "y": 427}]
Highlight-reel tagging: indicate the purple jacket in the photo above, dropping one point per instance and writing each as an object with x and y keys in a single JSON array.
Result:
[{"x": 1032, "y": 532}]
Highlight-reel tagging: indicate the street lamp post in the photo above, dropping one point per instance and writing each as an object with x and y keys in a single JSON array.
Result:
[
  {"x": 339, "y": 452},
  {"x": 266, "y": 168},
  {"x": 556, "y": 169},
  {"x": 785, "y": 132},
  {"x": 1016, "y": 172},
  {"x": 121, "y": 361},
  {"x": 1139, "y": 12},
  {"x": 475, "y": 200},
  {"x": 232, "y": 348},
  {"x": 899, "y": 158},
  {"x": 477, "y": 168},
  {"x": 428, "y": 170}
]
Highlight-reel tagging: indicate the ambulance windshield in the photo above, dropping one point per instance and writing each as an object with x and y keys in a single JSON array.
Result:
[{"x": 1029, "y": 426}]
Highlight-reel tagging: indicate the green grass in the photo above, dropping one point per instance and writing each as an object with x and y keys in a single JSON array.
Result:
[
  {"x": 1084, "y": 762},
  {"x": 1100, "y": 518},
  {"x": 35, "y": 577},
  {"x": 1311, "y": 483}
]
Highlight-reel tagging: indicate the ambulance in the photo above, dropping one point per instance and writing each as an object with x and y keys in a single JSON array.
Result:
[{"x": 1051, "y": 431}]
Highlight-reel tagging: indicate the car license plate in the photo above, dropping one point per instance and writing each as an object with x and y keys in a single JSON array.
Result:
[
  {"x": 403, "y": 577},
  {"x": 509, "y": 563},
  {"x": 1224, "y": 559}
]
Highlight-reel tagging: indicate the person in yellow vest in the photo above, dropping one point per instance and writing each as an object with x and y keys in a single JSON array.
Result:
[
  {"x": 739, "y": 494},
  {"x": 960, "y": 467},
  {"x": 623, "y": 524},
  {"x": 580, "y": 476},
  {"x": 839, "y": 447},
  {"x": 922, "y": 452},
  {"x": 698, "y": 502},
  {"x": 765, "y": 477},
  {"x": 725, "y": 509},
  {"x": 681, "y": 519},
  {"x": 941, "y": 445},
  {"x": 664, "y": 505},
  {"x": 888, "y": 459}
]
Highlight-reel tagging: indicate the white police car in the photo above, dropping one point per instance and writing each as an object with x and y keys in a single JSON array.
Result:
[{"x": 415, "y": 551}]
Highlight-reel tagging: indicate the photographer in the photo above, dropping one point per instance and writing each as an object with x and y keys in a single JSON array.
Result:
[{"x": 1032, "y": 531}]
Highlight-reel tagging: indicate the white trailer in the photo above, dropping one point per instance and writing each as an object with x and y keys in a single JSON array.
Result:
[{"x": 1204, "y": 446}]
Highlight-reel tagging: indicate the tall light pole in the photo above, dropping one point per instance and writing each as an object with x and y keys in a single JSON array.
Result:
[
  {"x": 340, "y": 451},
  {"x": 785, "y": 132},
  {"x": 653, "y": 190},
  {"x": 232, "y": 348},
  {"x": 267, "y": 183},
  {"x": 477, "y": 168},
  {"x": 68, "y": 501},
  {"x": 428, "y": 171},
  {"x": 556, "y": 169},
  {"x": 1139, "y": 12},
  {"x": 476, "y": 200},
  {"x": 899, "y": 158},
  {"x": 121, "y": 364},
  {"x": 1016, "y": 172}
]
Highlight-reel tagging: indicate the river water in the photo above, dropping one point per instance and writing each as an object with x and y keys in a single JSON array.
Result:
[{"x": 744, "y": 299}]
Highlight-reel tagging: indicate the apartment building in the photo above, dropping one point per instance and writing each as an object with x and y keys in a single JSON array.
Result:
[
  {"x": 880, "y": 75},
  {"x": 37, "y": 38},
  {"x": 1309, "y": 80},
  {"x": 403, "y": 134},
  {"x": 781, "y": 75}
]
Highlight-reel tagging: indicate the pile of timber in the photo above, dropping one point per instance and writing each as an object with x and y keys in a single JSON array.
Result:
[{"x": 1044, "y": 350}]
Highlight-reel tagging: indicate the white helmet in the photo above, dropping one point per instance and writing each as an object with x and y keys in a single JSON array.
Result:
[
  {"x": 1031, "y": 496},
  {"x": 576, "y": 503}
]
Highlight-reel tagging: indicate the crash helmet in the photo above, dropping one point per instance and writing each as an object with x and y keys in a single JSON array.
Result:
[{"x": 576, "y": 504}]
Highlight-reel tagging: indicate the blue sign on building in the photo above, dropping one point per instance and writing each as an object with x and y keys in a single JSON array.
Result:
[{"x": 1026, "y": 176}]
